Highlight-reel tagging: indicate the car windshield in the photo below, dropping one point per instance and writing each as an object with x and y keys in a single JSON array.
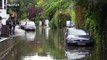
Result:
[
  {"x": 23, "y": 22},
  {"x": 30, "y": 23},
  {"x": 76, "y": 32}
]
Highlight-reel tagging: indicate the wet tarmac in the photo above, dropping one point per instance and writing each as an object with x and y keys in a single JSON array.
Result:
[{"x": 45, "y": 44}]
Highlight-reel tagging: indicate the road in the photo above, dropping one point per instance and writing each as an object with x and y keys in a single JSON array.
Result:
[{"x": 44, "y": 44}]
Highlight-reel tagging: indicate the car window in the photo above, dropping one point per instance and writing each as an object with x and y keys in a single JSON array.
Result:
[
  {"x": 76, "y": 32},
  {"x": 23, "y": 22}
]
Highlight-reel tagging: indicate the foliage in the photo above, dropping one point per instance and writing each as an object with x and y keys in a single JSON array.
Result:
[
  {"x": 53, "y": 11},
  {"x": 91, "y": 26},
  {"x": 93, "y": 15},
  {"x": 24, "y": 5},
  {"x": 60, "y": 18},
  {"x": 34, "y": 11},
  {"x": 50, "y": 9}
]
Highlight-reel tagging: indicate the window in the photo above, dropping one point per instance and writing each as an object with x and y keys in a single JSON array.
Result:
[
  {"x": 5, "y": 4},
  {"x": 0, "y": 4}
]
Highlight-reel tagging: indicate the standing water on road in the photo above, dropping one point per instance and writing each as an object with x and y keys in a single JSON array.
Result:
[{"x": 46, "y": 44}]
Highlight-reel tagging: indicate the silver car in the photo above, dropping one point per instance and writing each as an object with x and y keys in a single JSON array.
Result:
[
  {"x": 27, "y": 25},
  {"x": 76, "y": 36}
]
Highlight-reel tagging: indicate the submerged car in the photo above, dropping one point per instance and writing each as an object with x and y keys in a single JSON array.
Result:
[
  {"x": 76, "y": 36},
  {"x": 28, "y": 25}
]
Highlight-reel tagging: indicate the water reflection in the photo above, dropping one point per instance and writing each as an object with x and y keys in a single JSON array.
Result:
[
  {"x": 36, "y": 57},
  {"x": 44, "y": 31},
  {"x": 47, "y": 32},
  {"x": 47, "y": 44},
  {"x": 29, "y": 36},
  {"x": 74, "y": 53},
  {"x": 40, "y": 30}
]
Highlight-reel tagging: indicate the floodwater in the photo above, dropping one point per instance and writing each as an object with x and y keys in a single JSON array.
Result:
[{"x": 47, "y": 44}]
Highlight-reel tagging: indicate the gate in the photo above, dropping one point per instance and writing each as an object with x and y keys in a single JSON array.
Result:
[{"x": 5, "y": 31}]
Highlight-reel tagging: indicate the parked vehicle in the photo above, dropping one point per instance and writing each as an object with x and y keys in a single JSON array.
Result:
[
  {"x": 70, "y": 24},
  {"x": 76, "y": 36},
  {"x": 27, "y": 25},
  {"x": 3, "y": 11}
]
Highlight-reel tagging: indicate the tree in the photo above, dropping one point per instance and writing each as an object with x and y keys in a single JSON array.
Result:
[{"x": 34, "y": 11}]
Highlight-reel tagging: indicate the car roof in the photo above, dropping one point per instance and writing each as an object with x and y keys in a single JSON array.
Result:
[{"x": 76, "y": 29}]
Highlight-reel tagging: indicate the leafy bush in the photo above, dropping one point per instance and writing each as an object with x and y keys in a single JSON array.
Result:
[
  {"x": 93, "y": 16},
  {"x": 60, "y": 19}
]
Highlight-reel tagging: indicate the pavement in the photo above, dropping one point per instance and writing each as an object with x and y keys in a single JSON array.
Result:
[
  {"x": 3, "y": 39},
  {"x": 18, "y": 32}
]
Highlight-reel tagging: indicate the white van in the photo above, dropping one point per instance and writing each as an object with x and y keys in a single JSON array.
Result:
[{"x": 3, "y": 11}]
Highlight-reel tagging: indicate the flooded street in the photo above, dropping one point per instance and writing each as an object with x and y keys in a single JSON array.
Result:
[
  {"x": 46, "y": 44},
  {"x": 82, "y": 23}
]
